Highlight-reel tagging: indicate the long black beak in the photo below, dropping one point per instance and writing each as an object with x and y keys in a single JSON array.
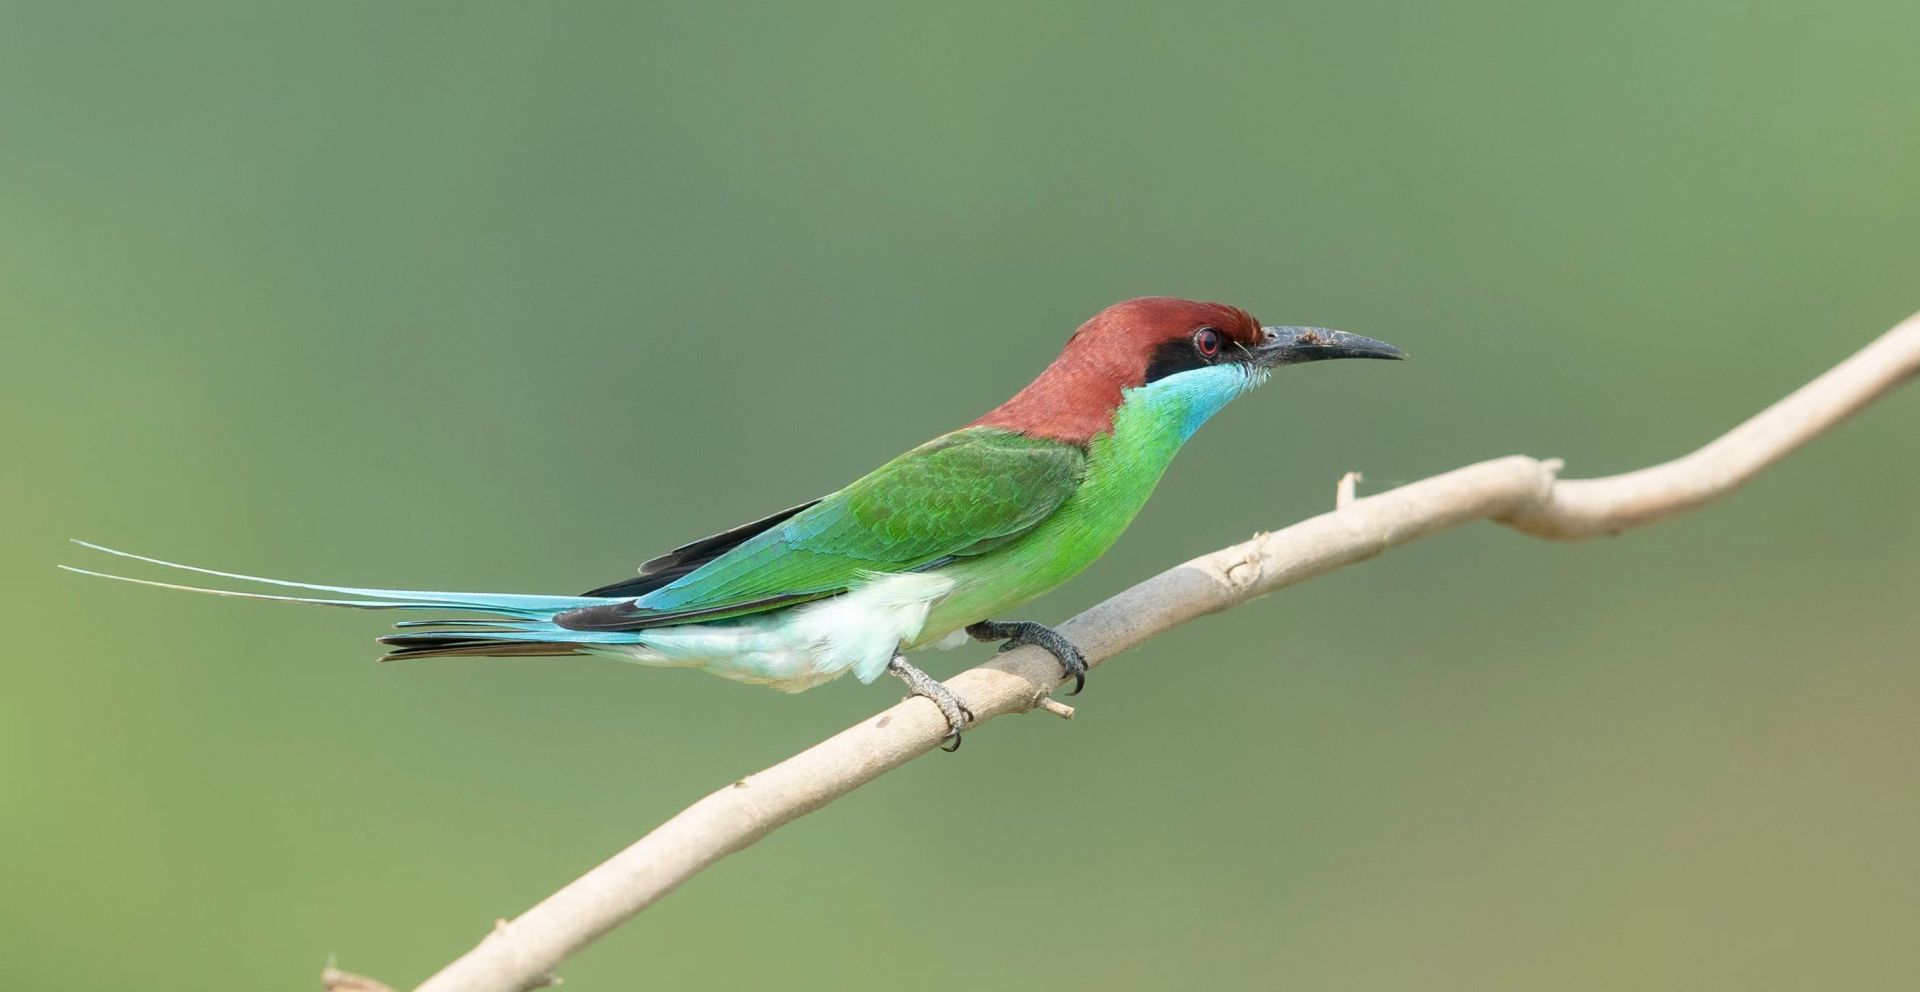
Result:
[{"x": 1293, "y": 345}]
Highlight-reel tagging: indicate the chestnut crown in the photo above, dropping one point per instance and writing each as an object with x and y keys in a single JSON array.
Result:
[{"x": 1143, "y": 340}]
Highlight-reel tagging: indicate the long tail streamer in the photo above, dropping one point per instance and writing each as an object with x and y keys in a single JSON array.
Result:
[{"x": 528, "y": 624}]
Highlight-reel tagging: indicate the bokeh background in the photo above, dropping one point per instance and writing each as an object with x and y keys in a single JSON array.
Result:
[{"x": 510, "y": 296}]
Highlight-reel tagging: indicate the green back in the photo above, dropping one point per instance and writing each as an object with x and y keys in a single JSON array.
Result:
[{"x": 959, "y": 495}]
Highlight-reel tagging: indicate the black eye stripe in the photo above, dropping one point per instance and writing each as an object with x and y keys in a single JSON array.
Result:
[{"x": 1185, "y": 354}]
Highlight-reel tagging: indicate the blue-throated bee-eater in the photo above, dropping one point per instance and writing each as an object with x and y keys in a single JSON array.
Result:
[{"x": 926, "y": 549}]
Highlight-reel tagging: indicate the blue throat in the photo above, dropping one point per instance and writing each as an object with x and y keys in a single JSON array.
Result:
[{"x": 1186, "y": 400}]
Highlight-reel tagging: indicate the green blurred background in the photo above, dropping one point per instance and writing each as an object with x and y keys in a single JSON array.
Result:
[{"x": 510, "y": 296}]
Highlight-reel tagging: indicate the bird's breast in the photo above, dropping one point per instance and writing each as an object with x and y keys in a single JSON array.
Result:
[{"x": 1122, "y": 470}]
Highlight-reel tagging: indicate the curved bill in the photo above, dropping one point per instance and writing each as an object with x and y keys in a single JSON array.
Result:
[{"x": 1293, "y": 345}]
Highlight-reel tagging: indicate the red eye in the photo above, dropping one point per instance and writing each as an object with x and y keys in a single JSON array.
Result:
[{"x": 1206, "y": 341}]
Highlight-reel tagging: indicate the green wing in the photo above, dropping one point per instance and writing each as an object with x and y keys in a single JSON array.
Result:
[{"x": 961, "y": 494}]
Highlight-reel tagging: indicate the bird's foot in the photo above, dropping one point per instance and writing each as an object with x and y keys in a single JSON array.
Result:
[
  {"x": 919, "y": 683},
  {"x": 1020, "y": 632}
]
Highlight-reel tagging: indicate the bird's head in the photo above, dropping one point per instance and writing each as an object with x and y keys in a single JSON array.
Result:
[{"x": 1188, "y": 356}]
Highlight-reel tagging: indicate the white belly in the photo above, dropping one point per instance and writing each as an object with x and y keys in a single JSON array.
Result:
[{"x": 802, "y": 647}]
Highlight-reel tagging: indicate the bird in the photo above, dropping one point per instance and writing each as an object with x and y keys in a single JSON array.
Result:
[{"x": 930, "y": 549}]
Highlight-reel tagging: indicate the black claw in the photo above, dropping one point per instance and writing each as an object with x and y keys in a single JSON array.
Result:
[{"x": 1019, "y": 633}]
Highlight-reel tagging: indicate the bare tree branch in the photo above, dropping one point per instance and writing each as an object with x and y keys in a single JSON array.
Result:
[
  {"x": 1585, "y": 508},
  {"x": 1519, "y": 492}
]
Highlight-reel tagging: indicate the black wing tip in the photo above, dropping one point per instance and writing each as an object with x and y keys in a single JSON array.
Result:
[{"x": 663, "y": 569}]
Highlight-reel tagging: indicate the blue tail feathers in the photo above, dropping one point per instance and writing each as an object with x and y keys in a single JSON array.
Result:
[{"x": 527, "y": 629}]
